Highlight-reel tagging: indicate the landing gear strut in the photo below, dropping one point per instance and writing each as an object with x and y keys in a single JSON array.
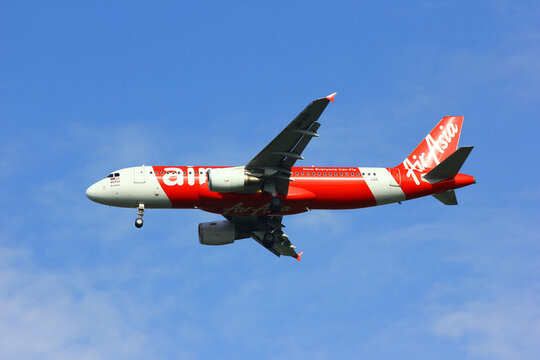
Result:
[
  {"x": 139, "y": 220},
  {"x": 275, "y": 204}
]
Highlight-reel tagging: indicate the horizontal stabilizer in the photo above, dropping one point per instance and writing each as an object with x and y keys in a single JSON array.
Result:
[
  {"x": 447, "y": 197},
  {"x": 450, "y": 166}
]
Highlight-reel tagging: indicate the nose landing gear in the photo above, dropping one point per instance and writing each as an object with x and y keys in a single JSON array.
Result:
[{"x": 139, "y": 220}]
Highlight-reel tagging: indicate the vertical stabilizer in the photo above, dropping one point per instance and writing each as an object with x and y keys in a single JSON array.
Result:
[{"x": 436, "y": 146}]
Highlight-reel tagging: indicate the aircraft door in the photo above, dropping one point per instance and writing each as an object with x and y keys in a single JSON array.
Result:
[
  {"x": 138, "y": 174},
  {"x": 395, "y": 177}
]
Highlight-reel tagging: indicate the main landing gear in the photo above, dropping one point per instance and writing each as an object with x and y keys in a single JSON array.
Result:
[
  {"x": 269, "y": 240},
  {"x": 275, "y": 204},
  {"x": 139, "y": 220}
]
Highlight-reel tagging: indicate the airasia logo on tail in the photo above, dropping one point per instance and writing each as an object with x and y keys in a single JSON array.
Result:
[{"x": 436, "y": 147}]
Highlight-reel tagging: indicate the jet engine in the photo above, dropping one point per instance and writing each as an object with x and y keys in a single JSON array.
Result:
[
  {"x": 219, "y": 233},
  {"x": 230, "y": 179}
]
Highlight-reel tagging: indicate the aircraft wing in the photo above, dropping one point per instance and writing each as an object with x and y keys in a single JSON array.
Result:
[
  {"x": 274, "y": 162},
  {"x": 258, "y": 226}
]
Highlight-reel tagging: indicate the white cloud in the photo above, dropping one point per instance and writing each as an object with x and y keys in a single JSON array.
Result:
[
  {"x": 317, "y": 220},
  {"x": 506, "y": 328},
  {"x": 53, "y": 315}
]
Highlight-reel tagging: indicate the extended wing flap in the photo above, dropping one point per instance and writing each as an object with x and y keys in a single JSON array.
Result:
[
  {"x": 258, "y": 226},
  {"x": 282, "y": 245},
  {"x": 301, "y": 145}
]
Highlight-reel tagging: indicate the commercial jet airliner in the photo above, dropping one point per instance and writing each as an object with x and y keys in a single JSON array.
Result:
[{"x": 254, "y": 198}]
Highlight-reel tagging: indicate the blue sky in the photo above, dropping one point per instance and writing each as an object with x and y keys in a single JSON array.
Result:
[{"x": 87, "y": 88}]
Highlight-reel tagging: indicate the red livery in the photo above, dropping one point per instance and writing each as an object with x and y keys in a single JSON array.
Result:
[{"x": 254, "y": 198}]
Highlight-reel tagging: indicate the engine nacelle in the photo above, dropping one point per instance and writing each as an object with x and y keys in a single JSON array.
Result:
[
  {"x": 230, "y": 179},
  {"x": 219, "y": 233}
]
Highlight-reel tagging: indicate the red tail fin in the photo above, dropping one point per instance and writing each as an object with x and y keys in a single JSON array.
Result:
[
  {"x": 440, "y": 143},
  {"x": 437, "y": 145}
]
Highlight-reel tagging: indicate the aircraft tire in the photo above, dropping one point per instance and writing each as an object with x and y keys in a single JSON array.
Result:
[
  {"x": 138, "y": 223},
  {"x": 269, "y": 240},
  {"x": 275, "y": 204}
]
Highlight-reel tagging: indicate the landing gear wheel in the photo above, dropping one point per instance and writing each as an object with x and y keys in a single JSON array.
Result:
[
  {"x": 275, "y": 204},
  {"x": 138, "y": 223},
  {"x": 268, "y": 240}
]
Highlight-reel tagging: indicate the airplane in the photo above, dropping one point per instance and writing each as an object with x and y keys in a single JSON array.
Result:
[{"x": 254, "y": 198}]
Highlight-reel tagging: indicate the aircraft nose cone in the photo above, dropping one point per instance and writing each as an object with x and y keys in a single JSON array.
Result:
[{"x": 92, "y": 192}]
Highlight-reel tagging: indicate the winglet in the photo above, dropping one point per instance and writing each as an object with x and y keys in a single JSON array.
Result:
[
  {"x": 331, "y": 97},
  {"x": 298, "y": 256}
]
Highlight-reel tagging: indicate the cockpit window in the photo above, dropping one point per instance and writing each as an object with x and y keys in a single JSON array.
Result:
[
  {"x": 110, "y": 175},
  {"x": 116, "y": 174}
]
